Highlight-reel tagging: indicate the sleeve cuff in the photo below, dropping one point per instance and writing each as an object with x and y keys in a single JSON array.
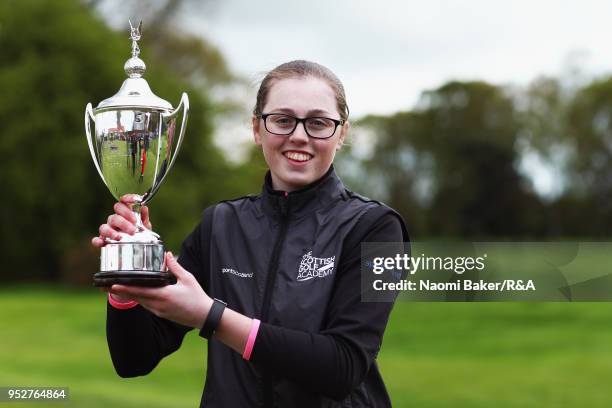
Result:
[{"x": 121, "y": 305}]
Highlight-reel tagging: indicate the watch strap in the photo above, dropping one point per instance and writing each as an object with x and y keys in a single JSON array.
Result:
[{"x": 213, "y": 318}]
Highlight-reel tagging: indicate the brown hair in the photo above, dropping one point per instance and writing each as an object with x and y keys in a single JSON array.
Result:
[{"x": 301, "y": 68}]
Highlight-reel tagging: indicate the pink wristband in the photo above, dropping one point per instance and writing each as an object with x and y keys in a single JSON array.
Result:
[
  {"x": 248, "y": 348},
  {"x": 121, "y": 305}
]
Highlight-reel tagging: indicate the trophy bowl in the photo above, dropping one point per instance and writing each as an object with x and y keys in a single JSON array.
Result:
[{"x": 133, "y": 146}]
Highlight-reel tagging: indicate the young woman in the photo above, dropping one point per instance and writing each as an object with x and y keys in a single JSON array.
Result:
[{"x": 273, "y": 281}]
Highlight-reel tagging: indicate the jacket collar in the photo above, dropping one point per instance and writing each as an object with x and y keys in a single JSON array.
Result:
[{"x": 316, "y": 195}]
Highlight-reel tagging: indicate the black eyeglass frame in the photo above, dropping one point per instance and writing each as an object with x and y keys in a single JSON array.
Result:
[{"x": 337, "y": 122}]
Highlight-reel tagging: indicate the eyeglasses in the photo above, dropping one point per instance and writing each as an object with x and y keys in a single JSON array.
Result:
[{"x": 315, "y": 127}]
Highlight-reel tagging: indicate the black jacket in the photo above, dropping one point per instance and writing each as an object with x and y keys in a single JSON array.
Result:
[{"x": 292, "y": 261}]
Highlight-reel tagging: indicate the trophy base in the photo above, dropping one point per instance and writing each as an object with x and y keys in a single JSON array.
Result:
[
  {"x": 133, "y": 264},
  {"x": 133, "y": 278}
]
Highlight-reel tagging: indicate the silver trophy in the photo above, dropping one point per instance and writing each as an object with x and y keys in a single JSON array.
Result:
[{"x": 133, "y": 147}]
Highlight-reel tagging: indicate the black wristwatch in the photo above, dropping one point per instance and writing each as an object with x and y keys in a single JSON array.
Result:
[{"x": 213, "y": 318}]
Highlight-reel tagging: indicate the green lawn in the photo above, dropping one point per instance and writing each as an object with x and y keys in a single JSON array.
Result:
[{"x": 434, "y": 354}]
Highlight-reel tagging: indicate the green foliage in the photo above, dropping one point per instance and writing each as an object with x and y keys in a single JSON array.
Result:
[
  {"x": 47, "y": 73},
  {"x": 55, "y": 56},
  {"x": 450, "y": 165},
  {"x": 590, "y": 124},
  {"x": 572, "y": 128},
  {"x": 544, "y": 117}
]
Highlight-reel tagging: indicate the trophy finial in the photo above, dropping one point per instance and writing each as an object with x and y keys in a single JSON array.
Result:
[
  {"x": 135, "y": 67},
  {"x": 135, "y": 33}
]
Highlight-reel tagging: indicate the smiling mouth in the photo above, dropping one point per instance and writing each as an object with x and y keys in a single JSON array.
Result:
[{"x": 298, "y": 156}]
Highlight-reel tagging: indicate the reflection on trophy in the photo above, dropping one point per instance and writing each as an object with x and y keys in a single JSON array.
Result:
[{"x": 133, "y": 148}]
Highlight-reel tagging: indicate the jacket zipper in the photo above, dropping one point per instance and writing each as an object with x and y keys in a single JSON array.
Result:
[{"x": 270, "y": 280}]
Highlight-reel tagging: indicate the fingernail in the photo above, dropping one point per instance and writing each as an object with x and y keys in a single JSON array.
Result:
[{"x": 170, "y": 254}]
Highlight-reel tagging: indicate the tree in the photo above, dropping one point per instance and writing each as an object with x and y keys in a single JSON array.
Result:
[
  {"x": 53, "y": 197},
  {"x": 590, "y": 132},
  {"x": 450, "y": 165}
]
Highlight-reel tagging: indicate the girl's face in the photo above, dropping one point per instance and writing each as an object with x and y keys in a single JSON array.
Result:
[{"x": 297, "y": 160}]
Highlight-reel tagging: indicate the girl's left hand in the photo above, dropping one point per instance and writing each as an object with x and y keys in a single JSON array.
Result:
[{"x": 185, "y": 302}]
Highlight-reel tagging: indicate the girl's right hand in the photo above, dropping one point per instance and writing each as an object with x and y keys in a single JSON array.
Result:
[{"x": 123, "y": 220}]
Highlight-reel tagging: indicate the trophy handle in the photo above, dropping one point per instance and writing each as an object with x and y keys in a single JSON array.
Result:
[
  {"x": 183, "y": 105},
  {"x": 90, "y": 116}
]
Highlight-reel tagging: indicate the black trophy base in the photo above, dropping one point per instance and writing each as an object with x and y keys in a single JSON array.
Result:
[{"x": 133, "y": 278}]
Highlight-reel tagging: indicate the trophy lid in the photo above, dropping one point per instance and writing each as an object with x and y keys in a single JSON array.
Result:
[{"x": 135, "y": 91}]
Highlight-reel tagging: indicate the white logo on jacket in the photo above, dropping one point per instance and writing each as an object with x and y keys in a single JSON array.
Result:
[
  {"x": 311, "y": 267},
  {"x": 235, "y": 272}
]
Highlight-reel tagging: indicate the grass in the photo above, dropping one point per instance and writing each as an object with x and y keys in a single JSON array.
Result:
[
  {"x": 498, "y": 354},
  {"x": 434, "y": 354},
  {"x": 57, "y": 338}
]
